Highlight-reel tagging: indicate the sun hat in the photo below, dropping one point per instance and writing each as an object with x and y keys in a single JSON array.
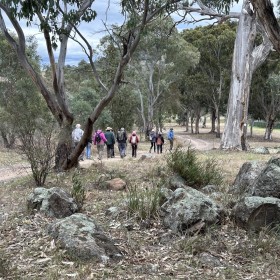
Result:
[{"x": 108, "y": 128}]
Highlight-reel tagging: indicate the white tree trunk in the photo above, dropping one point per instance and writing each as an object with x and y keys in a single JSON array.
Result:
[{"x": 246, "y": 59}]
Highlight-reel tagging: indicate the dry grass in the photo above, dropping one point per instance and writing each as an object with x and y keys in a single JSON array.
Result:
[{"x": 27, "y": 252}]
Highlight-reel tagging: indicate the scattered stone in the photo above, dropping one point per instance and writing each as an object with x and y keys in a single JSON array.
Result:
[
  {"x": 261, "y": 150},
  {"x": 113, "y": 211},
  {"x": 267, "y": 183},
  {"x": 146, "y": 156},
  {"x": 175, "y": 182},
  {"x": 116, "y": 184},
  {"x": 254, "y": 213},
  {"x": 82, "y": 238},
  {"x": 209, "y": 261},
  {"x": 188, "y": 207},
  {"x": 248, "y": 172},
  {"x": 54, "y": 202}
]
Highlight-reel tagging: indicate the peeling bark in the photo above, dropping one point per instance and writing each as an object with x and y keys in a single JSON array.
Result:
[{"x": 246, "y": 59}]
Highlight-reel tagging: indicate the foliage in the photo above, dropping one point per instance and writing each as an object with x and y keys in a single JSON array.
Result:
[
  {"x": 143, "y": 204},
  {"x": 54, "y": 12},
  {"x": 25, "y": 114},
  {"x": 224, "y": 5},
  {"x": 160, "y": 63},
  {"x": 78, "y": 191},
  {"x": 207, "y": 85},
  {"x": 197, "y": 174}
]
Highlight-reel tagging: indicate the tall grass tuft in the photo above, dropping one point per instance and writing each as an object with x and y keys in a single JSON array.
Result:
[
  {"x": 196, "y": 174},
  {"x": 78, "y": 191},
  {"x": 143, "y": 203}
]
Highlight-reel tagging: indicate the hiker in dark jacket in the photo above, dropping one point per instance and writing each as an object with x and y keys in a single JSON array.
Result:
[
  {"x": 113, "y": 147},
  {"x": 110, "y": 141},
  {"x": 152, "y": 138},
  {"x": 121, "y": 139},
  {"x": 159, "y": 142}
]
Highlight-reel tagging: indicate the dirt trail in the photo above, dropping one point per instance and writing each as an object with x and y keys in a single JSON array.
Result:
[{"x": 9, "y": 172}]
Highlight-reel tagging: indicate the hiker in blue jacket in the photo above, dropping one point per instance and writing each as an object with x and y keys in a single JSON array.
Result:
[{"x": 170, "y": 137}]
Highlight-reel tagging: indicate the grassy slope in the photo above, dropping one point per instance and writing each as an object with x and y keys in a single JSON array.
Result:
[{"x": 27, "y": 252}]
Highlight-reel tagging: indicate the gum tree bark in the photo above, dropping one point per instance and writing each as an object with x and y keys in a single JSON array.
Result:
[
  {"x": 265, "y": 14},
  {"x": 246, "y": 59}
]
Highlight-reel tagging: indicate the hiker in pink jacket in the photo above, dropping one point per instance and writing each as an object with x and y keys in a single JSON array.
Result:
[
  {"x": 99, "y": 140},
  {"x": 134, "y": 140}
]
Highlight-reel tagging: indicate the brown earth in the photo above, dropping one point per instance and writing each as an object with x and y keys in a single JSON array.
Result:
[{"x": 150, "y": 250}]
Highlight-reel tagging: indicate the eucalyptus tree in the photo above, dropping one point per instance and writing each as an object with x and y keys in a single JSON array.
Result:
[
  {"x": 266, "y": 100},
  {"x": 59, "y": 21},
  {"x": 215, "y": 45},
  {"x": 7, "y": 65},
  {"x": 15, "y": 82},
  {"x": 271, "y": 104},
  {"x": 194, "y": 91},
  {"x": 247, "y": 57},
  {"x": 160, "y": 62}
]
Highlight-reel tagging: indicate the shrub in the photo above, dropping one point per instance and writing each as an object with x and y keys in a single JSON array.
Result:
[
  {"x": 38, "y": 145},
  {"x": 144, "y": 204},
  {"x": 196, "y": 174}
]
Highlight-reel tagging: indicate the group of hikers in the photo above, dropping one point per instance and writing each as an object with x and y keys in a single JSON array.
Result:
[{"x": 108, "y": 138}]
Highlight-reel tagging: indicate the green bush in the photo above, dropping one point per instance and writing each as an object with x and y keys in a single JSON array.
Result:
[
  {"x": 143, "y": 203},
  {"x": 196, "y": 174},
  {"x": 78, "y": 191}
]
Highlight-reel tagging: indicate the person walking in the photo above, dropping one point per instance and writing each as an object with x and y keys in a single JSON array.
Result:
[
  {"x": 121, "y": 139},
  {"x": 88, "y": 148},
  {"x": 170, "y": 137},
  {"x": 152, "y": 138},
  {"x": 99, "y": 140},
  {"x": 113, "y": 147},
  {"x": 134, "y": 140},
  {"x": 159, "y": 142},
  {"x": 109, "y": 135},
  {"x": 77, "y": 134}
]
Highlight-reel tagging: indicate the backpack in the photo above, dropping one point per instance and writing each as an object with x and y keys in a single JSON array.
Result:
[
  {"x": 97, "y": 138},
  {"x": 159, "y": 141},
  {"x": 121, "y": 135},
  {"x": 133, "y": 139}
]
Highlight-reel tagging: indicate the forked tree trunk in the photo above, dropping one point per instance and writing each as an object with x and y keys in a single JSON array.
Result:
[
  {"x": 269, "y": 128},
  {"x": 64, "y": 147},
  {"x": 213, "y": 119},
  {"x": 246, "y": 60}
]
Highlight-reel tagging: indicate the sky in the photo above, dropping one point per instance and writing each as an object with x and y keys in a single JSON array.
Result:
[{"x": 110, "y": 14}]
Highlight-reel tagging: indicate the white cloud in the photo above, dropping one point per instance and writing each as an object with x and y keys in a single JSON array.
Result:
[{"x": 108, "y": 12}]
